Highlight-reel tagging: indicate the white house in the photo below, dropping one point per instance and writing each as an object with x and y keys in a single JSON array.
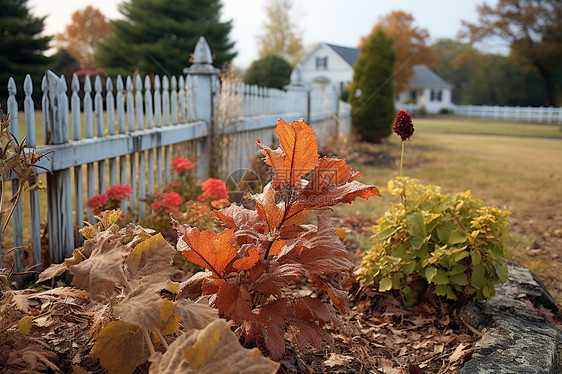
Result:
[{"x": 330, "y": 67}]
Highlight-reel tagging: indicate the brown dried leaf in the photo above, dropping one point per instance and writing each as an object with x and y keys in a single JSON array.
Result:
[
  {"x": 234, "y": 301},
  {"x": 21, "y": 354},
  {"x": 213, "y": 350},
  {"x": 103, "y": 270},
  {"x": 195, "y": 315},
  {"x": 121, "y": 348},
  {"x": 150, "y": 262},
  {"x": 141, "y": 308}
]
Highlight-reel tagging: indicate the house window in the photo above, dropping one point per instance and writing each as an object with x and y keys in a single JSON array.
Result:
[
  {"x": 436, "y": 95},
  {"x": 321, "y": 63},
  {"x": 413, "y": 96}
]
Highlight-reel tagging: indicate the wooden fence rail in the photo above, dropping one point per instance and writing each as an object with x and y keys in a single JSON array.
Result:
[{"x": 133, "y": 128}]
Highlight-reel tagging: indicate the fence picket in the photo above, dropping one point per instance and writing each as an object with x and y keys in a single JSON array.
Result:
[
  {"x": 166, "y": 114},
  {"x": 132, "y": 161},
  {"x": 158, "y": 124},
  {"x": 149, "y": 125},
  {"x": 17, "y": 214},
  {"x": 29, "y": 113},
  {"x": 110, "y": 110},
  {"x": 89, "y": 133},
  {"x": 77, "y": 135},
  {"x": 142, "y": 173}
]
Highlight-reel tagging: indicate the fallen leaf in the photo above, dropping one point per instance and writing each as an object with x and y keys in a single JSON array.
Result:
[
  {"x": 121, "y": 347},
  {"x": 336, "y": 359},
  {"x": 213, "y": 350},
  {"x": 195, "y": 315}
]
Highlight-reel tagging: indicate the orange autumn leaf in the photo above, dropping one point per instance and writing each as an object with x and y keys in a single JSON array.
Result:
[
  {"x": 208, "y": 249},
  {"x": 247, "y": 262},
  {"x": 276, "y": 247},
  {"x": 297, "y": 154}
]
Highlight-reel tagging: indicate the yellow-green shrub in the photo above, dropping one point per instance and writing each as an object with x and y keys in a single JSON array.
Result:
[{"x": 455, "y": 243}]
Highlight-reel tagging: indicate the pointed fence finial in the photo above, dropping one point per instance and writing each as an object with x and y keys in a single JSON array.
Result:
[{"x": 202, "y": 59}]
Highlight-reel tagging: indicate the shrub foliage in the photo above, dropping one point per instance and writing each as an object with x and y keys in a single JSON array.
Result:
[{"x": 453, "y": 242}]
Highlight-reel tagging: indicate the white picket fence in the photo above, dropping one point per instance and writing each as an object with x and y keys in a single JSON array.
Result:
[
  {"x": 134, "y": 128},
  {"x": 546, "y": 115}
]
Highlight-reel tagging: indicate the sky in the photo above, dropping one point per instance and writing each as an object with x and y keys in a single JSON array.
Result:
[{"x": 340, "y": 22}]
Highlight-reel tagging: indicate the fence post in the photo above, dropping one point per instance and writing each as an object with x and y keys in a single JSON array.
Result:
[
  {"x": 300, "y": 91},
  {"x": 61, "y": 234},
  {"x": 205, "y": 81}
]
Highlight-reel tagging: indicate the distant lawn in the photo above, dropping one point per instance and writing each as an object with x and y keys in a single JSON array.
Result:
[{"x": 483, "y": 126}]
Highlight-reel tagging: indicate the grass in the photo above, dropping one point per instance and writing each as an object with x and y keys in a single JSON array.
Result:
[
  {"x": 481, "y": 126},
  {"x": 521, "y": 174}
]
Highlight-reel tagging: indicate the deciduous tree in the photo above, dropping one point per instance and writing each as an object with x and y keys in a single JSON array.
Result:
[
  {"x": 21, "y": 44},
  {"x": 157, "y": 36},
  {"x": 371, "y": 94},
  {"x": 281, "y": 35},
  {"x": 81, "y": 37},
  {"x": 410, "y": 43},
  {"x": 455, "y": 62},
  {"x": 533, "y": 28}
]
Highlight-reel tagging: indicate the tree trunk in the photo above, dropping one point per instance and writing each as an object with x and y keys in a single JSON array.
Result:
[{"x": 548, "y": 92}]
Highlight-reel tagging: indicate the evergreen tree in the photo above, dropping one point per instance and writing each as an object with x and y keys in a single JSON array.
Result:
[
  {"x": 22, "y": 47},
  {"x": 372, "y": 95},
  {"x": 156, "y": 37},
  {"x": 269, "y": 71}
]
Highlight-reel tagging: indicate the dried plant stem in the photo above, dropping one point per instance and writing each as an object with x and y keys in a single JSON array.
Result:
[
  {"x": 402, "y": 159},
  {"x": 161, "y": 337},
  {"x": 148, "y": 341}
]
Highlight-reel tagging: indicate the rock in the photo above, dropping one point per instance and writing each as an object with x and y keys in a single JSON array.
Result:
[{"x": 516, "y": 338}]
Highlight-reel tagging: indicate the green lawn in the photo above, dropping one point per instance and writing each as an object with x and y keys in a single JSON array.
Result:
[{"x": 464, "y": 125}]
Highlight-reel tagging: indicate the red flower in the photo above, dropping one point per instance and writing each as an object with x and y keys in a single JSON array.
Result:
[
  {"x": 181, "y": 164},
  {"x": 118, "y": 192},
  {"x": 403, "y": 125},
  {"x": 156, "y": 205},
  {"x": 213, "y": 189},
  {"x": 172, "y": 201},
  {"x": 97, "y": 202}
]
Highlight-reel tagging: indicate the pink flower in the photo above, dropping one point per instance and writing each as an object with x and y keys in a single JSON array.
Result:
[
  {"x": 97, "y": 202},
  {"x": 118, "y": 192},
  {"x": 172, "y": 201},
  {"x": 181, "y": 164},
  {"x": 213, "y": 189}
]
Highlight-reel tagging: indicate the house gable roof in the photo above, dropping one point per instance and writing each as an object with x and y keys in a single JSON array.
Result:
[
  {"x": 349, "y": 55},
  {"x": 425, "y": 77}
]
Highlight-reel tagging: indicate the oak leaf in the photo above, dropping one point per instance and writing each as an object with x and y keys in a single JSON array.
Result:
[{"x": 213, "y": 350}]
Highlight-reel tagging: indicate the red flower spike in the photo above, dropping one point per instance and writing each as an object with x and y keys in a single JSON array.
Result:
[{"x": 403, "y": 125}]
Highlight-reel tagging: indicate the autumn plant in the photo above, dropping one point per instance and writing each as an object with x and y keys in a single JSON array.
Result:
[
  {"x": 18, "y": 160},
  {"x": 254, "y": 266},
  {"x": 450, "y": 244}
]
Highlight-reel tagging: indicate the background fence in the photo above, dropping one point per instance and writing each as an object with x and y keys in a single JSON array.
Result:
[
  {"x": 127, "y": 132},
  {"x": 546, "y": 115}
]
